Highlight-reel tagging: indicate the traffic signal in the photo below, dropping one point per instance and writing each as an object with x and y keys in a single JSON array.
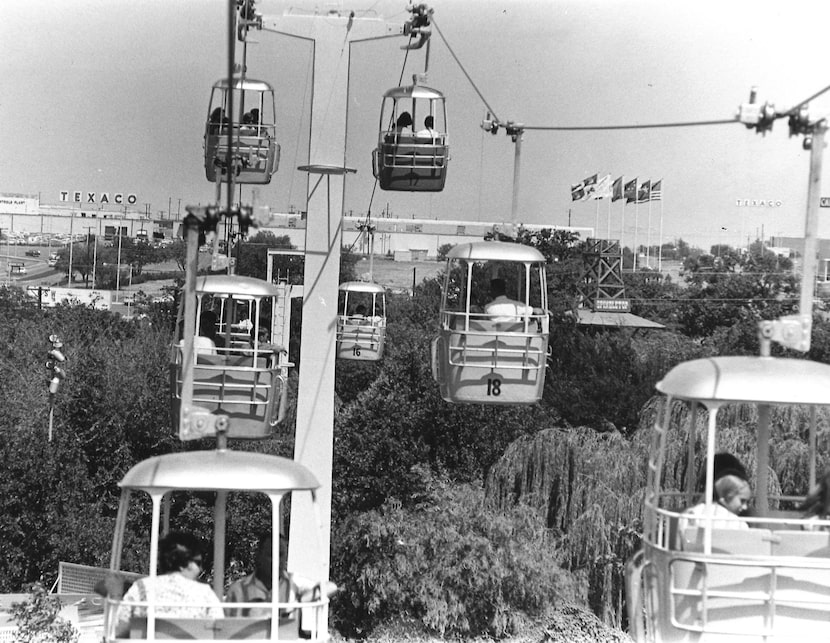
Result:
[{"x": 54, "y": 364}]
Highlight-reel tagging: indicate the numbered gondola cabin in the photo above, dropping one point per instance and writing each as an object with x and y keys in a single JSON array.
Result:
[
  {"x": 412, "y": 151},
  {"x": 492, "y": 344},
  {"x": 246, "y": 144},
  {"x": 361, "y": 321},
  {"x": 237, "y": 371}
]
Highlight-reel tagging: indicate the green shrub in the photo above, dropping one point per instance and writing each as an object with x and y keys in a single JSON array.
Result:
[
  {"x": 38, "y": 621},
  {"x": 450, "y": 567}
]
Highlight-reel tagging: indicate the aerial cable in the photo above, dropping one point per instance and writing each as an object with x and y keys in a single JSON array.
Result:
[
  {"x": 555, "y": 128},
  {"x": 794, "y": 110},
  {"x": 464, "y": 71},
  {"x": 299, "y": 130}
]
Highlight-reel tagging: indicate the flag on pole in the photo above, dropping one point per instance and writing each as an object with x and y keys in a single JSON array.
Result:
[
  {"x": 582, "y": 191},
  {"x": 578, "y": 191},
  {"x": 630, "y": 193},
  {"x": 602, "y": 190},
  {"x": 644, "y": 193},
  {"x": 617, "y": 189},
  {"x": 590, "y": 185},
  {"x": 657, "y": 190}
]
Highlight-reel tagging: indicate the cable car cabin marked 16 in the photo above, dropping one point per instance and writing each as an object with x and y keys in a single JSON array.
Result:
[
  {"x": 254, "y": 151},
  {"x": 764, "y": 577},
  {"x": 412, "y": 155},
  {"x": 492, "y": 351},
  {"x": 236, "y": 477},
  {"x": 361, "y": 321},
  {"x": 237, "y": 371}
]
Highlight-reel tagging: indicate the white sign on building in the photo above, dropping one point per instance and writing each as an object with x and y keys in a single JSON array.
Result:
[
  {"x": 51, "y": 297},
  {"x": 19, "y": 203}
]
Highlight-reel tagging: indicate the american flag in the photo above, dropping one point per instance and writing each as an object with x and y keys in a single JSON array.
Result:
[{"x": 657, "y": 190}]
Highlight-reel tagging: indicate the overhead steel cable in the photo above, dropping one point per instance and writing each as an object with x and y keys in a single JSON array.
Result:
[
  {"x": 557, "y": 128},
  {"x": 797, "y": 107},
  {"x": 464, "y": 71}
]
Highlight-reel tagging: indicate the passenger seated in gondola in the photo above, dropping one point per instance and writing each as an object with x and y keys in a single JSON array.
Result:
[
  {"x": 501, "y": 308},
  {"x": 217, "y": 120},
  {"x": 250, "y": 123},
  {"x": 732, "y": 495},
  {"x": 358, "y": 312},
  {"x": 403, "y": 126},
  {"x": 816, "y": 505},
  {"x": 428, "y": 132},
  {"x": 257, "y": 586},
  {"x": 207, "y": 340},
  {"x": 180, "y": 564}
]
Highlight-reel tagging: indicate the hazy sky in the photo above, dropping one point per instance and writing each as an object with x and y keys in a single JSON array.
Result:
[{"x": 112, "y": 95}]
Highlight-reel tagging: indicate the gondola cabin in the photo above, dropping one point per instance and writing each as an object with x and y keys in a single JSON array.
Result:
[
  {"x": 238, "y": 372},
  {"x": 361, "y": 321},
  {"x": 705, "y": 573},
  {"x": 492, "y": 344},
  {"x": 412, "y": 153},
  {"x": 156, "y": 495},
  {"x": 250, "y": 137}
]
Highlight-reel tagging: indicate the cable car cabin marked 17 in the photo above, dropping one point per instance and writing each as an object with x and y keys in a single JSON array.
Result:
[
  {"x": 495, "y": 357},
  {"x": 411, "y": 155},
  {"x": 361, "y": 321},
  {"x": 765, "y": 577},
  {"x": 254, "y": 151},
  {"x": 169, "y": 481},
  {"x": 237, "y": 371}
]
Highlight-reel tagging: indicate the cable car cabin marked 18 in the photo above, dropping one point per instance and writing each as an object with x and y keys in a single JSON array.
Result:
[
  {"x": 231, "y": 475},
  {"x": 704, "y": 580},
  {"x": 361, "y": 321},
  {"x": 411, "y": 156},
  {"x": 254, "y": 151},
  {"x": 237, "y": 371},
  {"x": 492, "y": 357}
]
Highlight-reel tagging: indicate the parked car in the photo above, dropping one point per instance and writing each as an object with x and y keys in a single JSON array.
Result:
[{"x": 33, "y": 253}]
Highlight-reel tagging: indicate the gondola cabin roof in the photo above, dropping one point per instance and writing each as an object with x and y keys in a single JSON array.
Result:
[
  {"x": 361, "y": 286},
  {"x": 413, "y": 91},
  {"x": 247, "y": 84},
  {"x": 239, "y": 287},
  {"x": 219, "y": 470},
  {"x": 495, "y": 251},
  {"x": 770, "y": 380}
]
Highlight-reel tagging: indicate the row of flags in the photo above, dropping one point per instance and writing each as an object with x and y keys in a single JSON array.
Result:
[{"x": 595, "y": 187}]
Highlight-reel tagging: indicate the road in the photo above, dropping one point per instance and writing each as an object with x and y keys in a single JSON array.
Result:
[{"x": 38, "y": 273}]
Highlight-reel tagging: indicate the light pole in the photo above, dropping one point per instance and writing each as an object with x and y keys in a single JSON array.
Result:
[
  {"x": 720, "y": 244},
  {"x": 88, "y": 228}
]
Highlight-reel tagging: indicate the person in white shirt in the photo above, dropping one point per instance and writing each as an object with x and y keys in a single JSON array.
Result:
[
  {"x": 175, "y": 592},
  {"x": 503, "y": 309},
  {"x": 732, "y": 497},
  {"x": 428, "y": 131}
]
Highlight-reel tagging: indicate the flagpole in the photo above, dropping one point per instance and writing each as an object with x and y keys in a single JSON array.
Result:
[
  {"x": 608, "y": 236},
  {"x": 596, "y": 219},
  {"x": 660, "y": 247},
  {"x": 622, "y": 233},
  {"x": 636, "y": 223},
  {"x": 648, "y": 236}
]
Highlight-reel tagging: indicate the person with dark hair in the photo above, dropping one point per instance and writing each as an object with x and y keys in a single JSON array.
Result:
[
  {"x": 728, "y": 464},
  {"x": 257, "y": 586},
  {"x": 404, "y": 121},
  {"x": 217, "y": 120},
  {"x": 816, "y": 505},
  {"x": 429, "y": 129},
  {"x": 175, "y": 591},
  {"x": 501, "y": 307}
]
